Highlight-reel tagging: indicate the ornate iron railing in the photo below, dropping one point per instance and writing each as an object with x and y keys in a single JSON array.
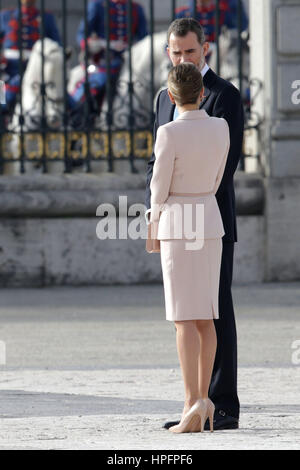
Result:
[{"x": 116, "y": 123}]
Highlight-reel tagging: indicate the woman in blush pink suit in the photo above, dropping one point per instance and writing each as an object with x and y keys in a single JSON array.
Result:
[{"x": 191, "y": 154}]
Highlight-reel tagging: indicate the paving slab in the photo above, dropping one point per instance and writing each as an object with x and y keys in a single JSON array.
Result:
[{"x": 97, "y": 368}]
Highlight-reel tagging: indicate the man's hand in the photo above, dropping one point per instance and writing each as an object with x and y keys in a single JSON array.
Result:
[{"x": 97, "y": 44}]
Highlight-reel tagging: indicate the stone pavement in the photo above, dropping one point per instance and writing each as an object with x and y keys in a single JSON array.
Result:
[{"x": 97, "y": 368}]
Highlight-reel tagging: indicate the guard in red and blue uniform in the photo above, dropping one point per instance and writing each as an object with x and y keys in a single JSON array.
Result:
[
  {"x": 9, "y": 41},
  {"x": 118, "y": 41},
  {"x": 205, "y": 14}
]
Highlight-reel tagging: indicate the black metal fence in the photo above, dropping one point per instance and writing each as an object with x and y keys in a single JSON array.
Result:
[{"x": 45, "y": 123}]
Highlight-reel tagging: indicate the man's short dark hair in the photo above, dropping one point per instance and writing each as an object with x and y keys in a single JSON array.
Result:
[{"x": 182, "y": 26}]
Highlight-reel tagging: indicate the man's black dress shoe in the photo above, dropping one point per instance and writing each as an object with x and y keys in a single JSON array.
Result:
[{"x": 221, "y": 421}]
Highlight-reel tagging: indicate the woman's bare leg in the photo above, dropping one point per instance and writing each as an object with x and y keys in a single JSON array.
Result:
[
  {"x": 196, "y": 345},
  {"x": 188, "y": 347},
  {"x": 208, "y": 346}
]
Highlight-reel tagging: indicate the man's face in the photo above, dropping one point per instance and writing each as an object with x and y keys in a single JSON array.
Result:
[{"x": 187, "y": 49}]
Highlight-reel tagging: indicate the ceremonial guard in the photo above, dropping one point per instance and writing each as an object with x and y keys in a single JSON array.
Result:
[
  {"x": 206, "y": 15},
  {"x": 10, "y": 45},
  {"x": 118, "y": 36}
]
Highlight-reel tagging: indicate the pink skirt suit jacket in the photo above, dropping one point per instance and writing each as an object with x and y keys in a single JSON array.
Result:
[{"x": 190, "y": 158}]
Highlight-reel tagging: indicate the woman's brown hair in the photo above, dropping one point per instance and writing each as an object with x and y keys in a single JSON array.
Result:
[{"x": 185, "y": 83}]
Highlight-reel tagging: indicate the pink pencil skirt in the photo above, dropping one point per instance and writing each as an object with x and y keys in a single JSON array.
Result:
[{"x": 191, "y": 279}]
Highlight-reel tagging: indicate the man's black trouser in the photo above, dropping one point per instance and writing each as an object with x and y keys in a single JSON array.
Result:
[{"x": 223, "y": 387}]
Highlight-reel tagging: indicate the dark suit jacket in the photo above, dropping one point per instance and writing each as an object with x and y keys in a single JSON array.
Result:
[{"x": 221, "y": 99}]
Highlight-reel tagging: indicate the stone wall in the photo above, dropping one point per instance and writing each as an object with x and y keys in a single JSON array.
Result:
[
  {"x": 48, "y": 231},
  {"x": 275, "y": 59}
]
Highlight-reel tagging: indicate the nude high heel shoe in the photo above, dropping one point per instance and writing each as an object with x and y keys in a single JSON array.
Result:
[
  {"x": 194, "y": 420},
  {"x": 191, "y": 421},
  {"x": 206, "y": 410},
  {"x": 209, "y": 413}
]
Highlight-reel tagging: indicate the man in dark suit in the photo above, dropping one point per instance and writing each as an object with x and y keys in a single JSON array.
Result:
[{"x": 186, "y": 43}]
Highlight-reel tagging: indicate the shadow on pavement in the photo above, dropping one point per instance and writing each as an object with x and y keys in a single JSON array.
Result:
[{"x": 22, "y": 404}]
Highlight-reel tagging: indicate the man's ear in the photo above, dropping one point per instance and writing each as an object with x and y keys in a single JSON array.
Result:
[
  {"x": 205, "y": 48},
  {"x": 171, "y": 97}
]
